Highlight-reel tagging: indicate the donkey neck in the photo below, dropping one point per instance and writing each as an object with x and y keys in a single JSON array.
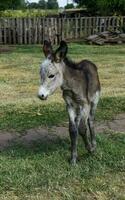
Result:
[{"x": 73, "y": 80}]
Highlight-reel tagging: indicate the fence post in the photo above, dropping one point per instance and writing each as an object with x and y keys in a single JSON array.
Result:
[{"x": 36, "y": 30}]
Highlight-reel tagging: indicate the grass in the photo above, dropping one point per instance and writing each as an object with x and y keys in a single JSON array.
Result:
[
  {"x": 19, "y": 82},
  {"x": 42, "y": 171}
]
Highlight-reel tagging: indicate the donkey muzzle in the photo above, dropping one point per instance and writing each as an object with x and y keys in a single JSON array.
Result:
[{"x": 42, "y": 97}]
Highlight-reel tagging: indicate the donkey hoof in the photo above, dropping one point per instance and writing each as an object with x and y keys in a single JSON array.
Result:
[
  {"x": 94, "y": 144},
  {"x": 92, "y": 150},
  {"x": 73, "y": 162}
]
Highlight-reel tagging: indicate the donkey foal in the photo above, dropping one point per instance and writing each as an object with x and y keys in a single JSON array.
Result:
[{"x": 81, "y": 91}]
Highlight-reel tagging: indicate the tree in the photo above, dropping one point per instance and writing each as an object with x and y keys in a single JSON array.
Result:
[
  {"x": 103, "y": 7},
  {"x": 42, "y": 4},
  {"x": 11, "y": 4},
  {"x": 3, "y": 4},
  {"x": 33, "y": 5},
  {"x": 52, "y": 4},
  {"x": 69, "y": 5}
]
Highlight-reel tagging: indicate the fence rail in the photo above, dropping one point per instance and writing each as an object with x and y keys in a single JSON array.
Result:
[{"x": 35, "y": 30}]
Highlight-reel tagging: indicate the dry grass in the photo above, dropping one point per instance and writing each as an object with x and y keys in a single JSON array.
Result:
[
  {"x": 19, "y": 71},
  {"x": 42, "y": 172}
]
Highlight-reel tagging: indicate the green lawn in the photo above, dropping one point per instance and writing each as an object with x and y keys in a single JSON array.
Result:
[{"x": 42, "y": 171}]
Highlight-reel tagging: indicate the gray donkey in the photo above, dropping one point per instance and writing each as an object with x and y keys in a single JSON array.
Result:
[{"x": 81, "y": 91}]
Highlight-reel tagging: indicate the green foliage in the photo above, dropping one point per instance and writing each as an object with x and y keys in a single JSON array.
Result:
[
  {"x": 103, "y": 7},
  {"x": 42, "y": 4},
  {"x": 33, "y": 5},
  {"x": 52, "y": 4},
  {"x": 19, "y": 4},
  {"x": 69, "y": 5},
  {"x": 28, "y": 13},
  {"x": 11, "y": 4}
]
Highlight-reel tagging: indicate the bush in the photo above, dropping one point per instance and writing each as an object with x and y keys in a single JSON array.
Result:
[{"x": 28, "y": 13}]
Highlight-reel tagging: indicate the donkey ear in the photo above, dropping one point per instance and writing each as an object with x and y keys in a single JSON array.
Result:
[
  {"x": 62, "y": 50},
  {"x": 47, "y": 48}
]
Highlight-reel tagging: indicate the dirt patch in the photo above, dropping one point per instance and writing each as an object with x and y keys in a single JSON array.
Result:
[
  {"x": 6, "y": 139},
  {"x": 5, "y": 49},
  {"x": 46, "y": 134}
]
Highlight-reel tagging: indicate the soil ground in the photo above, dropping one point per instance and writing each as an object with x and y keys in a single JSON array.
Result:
[{"x": 33, "y": 135}]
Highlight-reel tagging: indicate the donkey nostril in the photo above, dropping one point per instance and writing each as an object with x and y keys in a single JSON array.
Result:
[{"x": 40, "y": 96}]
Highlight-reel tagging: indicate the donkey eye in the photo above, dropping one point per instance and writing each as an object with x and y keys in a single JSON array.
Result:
[{"x": 51, "y": 76}]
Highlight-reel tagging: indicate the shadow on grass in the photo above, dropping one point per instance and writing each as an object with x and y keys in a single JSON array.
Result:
[
  {"x": 108, "y": 145},
  {"x": 45, "y": 164}
]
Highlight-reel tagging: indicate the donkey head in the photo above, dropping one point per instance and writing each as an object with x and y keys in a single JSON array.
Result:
[{"x": 51, "y": 69}]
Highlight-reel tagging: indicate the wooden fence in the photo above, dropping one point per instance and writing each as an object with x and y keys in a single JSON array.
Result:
[{"x": 35, "y": 30}]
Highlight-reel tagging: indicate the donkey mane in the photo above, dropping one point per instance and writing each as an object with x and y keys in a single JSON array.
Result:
[
  {"x": 87, "y": 68},
  {"x": 68, "y": 62},
  {"x": 82, "y": 65}
]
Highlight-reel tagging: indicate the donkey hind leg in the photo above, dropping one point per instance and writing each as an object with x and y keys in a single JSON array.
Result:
[
  {"x": 92, "y": 118},
  {"x": 73, "y": 131},
  {"x": 84, "y": 134},
  {"x": 92, "y": 134},
  {"x": 84, "y": 128}
]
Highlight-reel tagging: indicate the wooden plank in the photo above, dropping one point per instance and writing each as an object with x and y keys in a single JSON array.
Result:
[
  {"x": 80, "y": 28},
  {"x": 39, "y": 31},
  {"x": 18, "y": 29},
  {"x": 94, "y": 25},
  {"x": 100, "y": 26},
  {"x": 89, "y": 25},
  {"x": 9, "y": 30},
  {"x": 50, "y": 27},
  {"x": 35, "y": 24},
  {"x": 33, "y": 30},
  {"x": 56, "y": 30},
  {"x": 85, "y": 27},
  {"x": 59, "y": 30},
  {"x": 76, "y": 28},
  {"x": 114, "y": 23},
  {"x": 1, "y": 30},
  {"x": 29, "y": 31},
  {"x": 13, "y": 31},
  {"x": 25, "y": 30},
  {"x": 109, "y": 23},
  {"x": 118, "y": 23},
  {"x": 105, "y": 26},
  {"x": 21, "y": 31},
  {"x": 46, "y": 29},
  {"x": 67, "y": 27},
  {"x": 63, "y": 33},
  {"x": 43, "y": 29},
  {"x": 71, "y": 28},
  {"x": 4, "y": 30}
]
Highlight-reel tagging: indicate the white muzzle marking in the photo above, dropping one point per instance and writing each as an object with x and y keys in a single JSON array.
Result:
[{"x": 43, "y": 92}]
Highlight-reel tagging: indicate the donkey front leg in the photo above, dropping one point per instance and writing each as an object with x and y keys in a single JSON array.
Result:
[{"x": 73, "y": 131}]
